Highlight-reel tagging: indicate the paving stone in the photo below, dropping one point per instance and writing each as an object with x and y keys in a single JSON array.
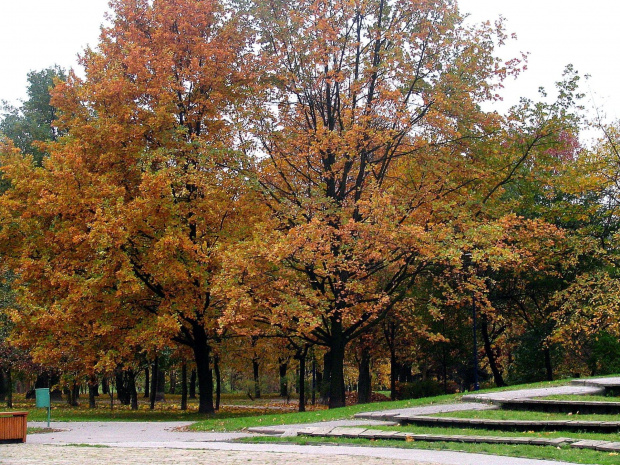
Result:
[
  {"x": 347, "y": 432},
  {"x": 384, "y": 434},
  {"x": 609, "y": 447},
  {"x": 316, "y": 431},
  {"x": 266, "y": 430},
  {"x": 514, "y": 441},
  {"x": 588, "y": 444}
]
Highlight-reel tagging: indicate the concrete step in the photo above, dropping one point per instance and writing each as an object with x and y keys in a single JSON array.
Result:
[
  {"x": 530, "y": 425},
  {"x": 374, "y": 434},
  {"x": 584, "y": 407}
]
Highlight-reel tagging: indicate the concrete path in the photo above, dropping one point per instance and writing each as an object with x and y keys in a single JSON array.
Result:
[
  {"x": 223, "y": 453},
  {"x": 391, "y": 415},
  {"x": 539, "y": 392},
  {"x": 163, "y": 443},
  {"x": 118, "y": 432}
]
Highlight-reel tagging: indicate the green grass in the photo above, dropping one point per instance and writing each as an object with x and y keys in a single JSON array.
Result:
[
  {"x": 164, "y": 411},
  {"x": 33, "y": 430},
  {"x": 565, "y": 454},
  {"x": 234, "y": 424},
  {"x": 526, "y": 415}
]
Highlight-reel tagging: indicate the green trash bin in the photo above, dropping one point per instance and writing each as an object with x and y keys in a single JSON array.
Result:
[
  {"x": 43, "y": 398},
  {"x": 43, "y": 401}
]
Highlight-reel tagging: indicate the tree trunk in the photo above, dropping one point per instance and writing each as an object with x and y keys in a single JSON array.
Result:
[
  {"x": 255, "y": 370},
  {"x": 133, "y": 392},
  {"x": 324, "y": 377},
  {"x": 147, "y": 384},
  {"x": 336, "y": 374},
  {"x": 548, "y": 366},
  {"x": 202, "y": 352},
  {"x": 364, "y": 387},
  {"x": 488, "y": 349},
  {"x": 122, "y": 387},
  {"x": 192, "y": 385},
  {"x": 302, "y": 382},
  {"x": 173, "y": 382},
  {"x": 105, "y": 386},
  {"x": 283, "y": 382},
  {"x": 313, "y": 378},
  {"x": 9, "y": 388},
  {"x": 3, "y": 388},
  {"x": 160, "y": 395},
  {"x": 92, "y": 391},
  {"x": 184, "y": 386},
  {"x": 154, "y": 374},
  {"x": 218, "y": 381}
]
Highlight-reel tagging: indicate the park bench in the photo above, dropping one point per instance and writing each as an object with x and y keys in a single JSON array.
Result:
[{"x": 13, "y": 426}]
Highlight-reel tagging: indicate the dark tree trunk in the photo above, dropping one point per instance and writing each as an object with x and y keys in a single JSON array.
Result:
[
  {"x": 255, "y": 370},
  {"x": 9, "y": 388},
  {"x": 154, "y": 374},
  {"x": 160, "y": 395},
  {"x": 218, "y": 381},
  {"x": 92, "y": 392},
  {"x": 336, "y": 374},
  {"x": 313, "y": 378},
  {"x": 283, "y": 383},
  {"x": 548, "y": 366},
  {"x": 123, "y": 393},
  {"x": 389, "y": 332},
  {"x": 3, "y": 386},
  {"x": 133, "y": 391},
  {"x": 302, "y": 381},
  {"x": 147, "y": 384},
  {"x": 202, "y": 352},
  {"x": 184, "y": 386},
  {"x": 324, "y": 378},
  {"x": 73, "y": 394},
  {"x": 488, "y": 349},
  {"x": 105, "y": 386},
  {"x": 192, "y": 385},
  {"x": 173, "y": 382},
  {"x": 364, "y": 387}
]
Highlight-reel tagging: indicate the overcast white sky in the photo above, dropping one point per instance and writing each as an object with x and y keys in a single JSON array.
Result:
[{"x": 35, "y": 34}]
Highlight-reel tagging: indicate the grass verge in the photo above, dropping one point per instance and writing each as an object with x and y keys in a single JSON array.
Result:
[{"x": 565, "y": 454}]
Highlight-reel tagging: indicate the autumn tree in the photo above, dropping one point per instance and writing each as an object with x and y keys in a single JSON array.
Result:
[
  {"x": 139, "y": 198},
  {"x": 366, "y": 127}
]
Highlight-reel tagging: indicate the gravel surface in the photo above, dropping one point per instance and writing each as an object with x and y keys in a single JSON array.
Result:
[{"x": 74, "y": 455}]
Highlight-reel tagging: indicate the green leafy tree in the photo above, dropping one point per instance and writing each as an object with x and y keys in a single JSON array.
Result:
[{"x": 33, "y": 122}]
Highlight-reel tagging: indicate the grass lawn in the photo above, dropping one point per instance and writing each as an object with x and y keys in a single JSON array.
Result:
[
  {"x": 234, "y": 424},
  {"x": 565, "y": 454},
  {"x": 219, "y": 423},
  {"x": 233, "y": 405}
]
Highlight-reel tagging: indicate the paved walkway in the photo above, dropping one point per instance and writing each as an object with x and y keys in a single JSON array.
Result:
[
  {"x": 222, "y": 453},
  {"x": 163, "y": 443},
  {"x": 590, "y": 386}
]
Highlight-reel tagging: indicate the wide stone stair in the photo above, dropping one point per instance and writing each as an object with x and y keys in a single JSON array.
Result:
[{"x": 524, "y": 399}]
